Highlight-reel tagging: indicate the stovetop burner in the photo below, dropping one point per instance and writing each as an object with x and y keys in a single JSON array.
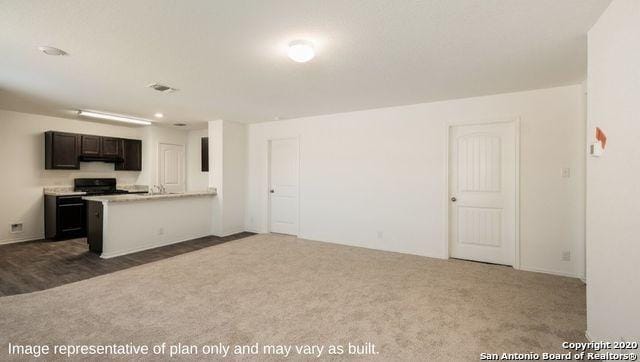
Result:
[
  {"x": 102, "y": 193},
  {"x": 97, "y": 186}
]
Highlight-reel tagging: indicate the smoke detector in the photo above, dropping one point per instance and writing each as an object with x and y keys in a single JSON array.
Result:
[{"x": 162, "y": 88}]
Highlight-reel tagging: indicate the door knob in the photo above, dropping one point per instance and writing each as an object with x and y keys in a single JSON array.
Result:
[
  {"x": 271, "y": 191},
  {"x": 453, "y": 199}
]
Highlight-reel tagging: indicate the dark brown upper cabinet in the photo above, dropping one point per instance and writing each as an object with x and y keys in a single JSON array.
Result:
[
  {"x": 61, "y": 150},
  {"x": 131, "y": 153},
  {"x": 64, "y": 151},
  {"x": 110, "y": 147},
  {"x": 204, "y": 155},
  {"x": 91, "y": 145}
]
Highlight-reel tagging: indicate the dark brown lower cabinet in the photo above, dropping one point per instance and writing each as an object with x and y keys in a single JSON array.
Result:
[
  {"x": 64, "y": 217},
  {"x": 94, "y": 226}
]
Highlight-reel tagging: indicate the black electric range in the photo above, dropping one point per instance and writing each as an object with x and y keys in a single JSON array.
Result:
[
  {"x": 97, "y": 186},
  {"x": 65, "y": 215}
]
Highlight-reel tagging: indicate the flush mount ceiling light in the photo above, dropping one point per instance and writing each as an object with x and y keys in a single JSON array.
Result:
[
  {"x": 301, "y": 51},
  {"x": 158, "y": 115},
  {"x": 51, "y": 50},
  {"x": 162, "y": 88},
  {"x": 114, "y": 117}
]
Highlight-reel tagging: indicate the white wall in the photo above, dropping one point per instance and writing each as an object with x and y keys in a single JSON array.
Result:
[
  {"x": 196, "y": 179},
  {"x": 22, "y": 159},
  {"x": 613, "y": 191},
  {"x": 152, "y": 138},
  {"x": 215, "y": 173},
  {"x": 235, "y": 176},
  {"x": 227, "y": 173},
  {"x": 383, "y": 170}
]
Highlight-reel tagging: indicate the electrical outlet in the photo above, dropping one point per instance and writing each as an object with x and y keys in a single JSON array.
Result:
[
  {"x": 566, "y": 172},
  {"x": 16, "y": 228},
  {"x": 161, "y": 231},
  {"x": 566, "y": 256}
]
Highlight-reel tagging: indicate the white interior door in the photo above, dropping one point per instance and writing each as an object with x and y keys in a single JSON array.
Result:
[
  {"x": 283, "y": 186},
  {"x": 171, "y": 167},
  {"x": 482, "y": 191}
]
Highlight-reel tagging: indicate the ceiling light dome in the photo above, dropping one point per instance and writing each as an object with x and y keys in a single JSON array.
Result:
[{"x": 301, "y": 51}]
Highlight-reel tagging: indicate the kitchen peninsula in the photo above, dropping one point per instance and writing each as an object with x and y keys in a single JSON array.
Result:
[{"x": 124, "y": 224}]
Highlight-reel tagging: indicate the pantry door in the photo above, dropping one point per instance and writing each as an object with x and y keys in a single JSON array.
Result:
[{"x": 171, "y": 171}]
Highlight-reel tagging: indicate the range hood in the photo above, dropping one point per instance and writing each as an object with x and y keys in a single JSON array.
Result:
[{"x": 108, "y": 159}]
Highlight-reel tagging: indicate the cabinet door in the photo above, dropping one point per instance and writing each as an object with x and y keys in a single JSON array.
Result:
[
  {"x": 90, "y": 145},
  {"x": 132, "y": 155},
  {"x": 94, "y": 226},
  {"x": 204, "y": 154},
  {"x": 64, "y": 151},
  {"x": 110, "y": 146}
]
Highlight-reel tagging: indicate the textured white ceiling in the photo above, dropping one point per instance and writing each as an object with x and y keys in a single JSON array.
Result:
[{"x": 228, "y": 57}]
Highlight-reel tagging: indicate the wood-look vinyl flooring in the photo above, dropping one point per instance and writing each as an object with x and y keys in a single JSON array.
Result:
[{"x": 42, "y": 264}]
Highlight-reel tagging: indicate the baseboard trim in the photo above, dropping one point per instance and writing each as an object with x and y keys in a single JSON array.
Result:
[
  {"x": 20, "y": 240},
  {"x": 232, "y": 232},
  {"x": 370, "y": 248},
  {"x": 445, "y": 257},
  {"x": 552, "y": 272}
]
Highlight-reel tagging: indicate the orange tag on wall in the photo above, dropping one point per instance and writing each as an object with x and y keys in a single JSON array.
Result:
[{"x": 600, "y": 136}]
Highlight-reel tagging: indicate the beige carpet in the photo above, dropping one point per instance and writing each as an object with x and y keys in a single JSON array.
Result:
[{"x": 273, "y": 289}]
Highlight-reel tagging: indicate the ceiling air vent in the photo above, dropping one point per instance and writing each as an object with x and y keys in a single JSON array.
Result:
[{"x": 162, "y": 88}]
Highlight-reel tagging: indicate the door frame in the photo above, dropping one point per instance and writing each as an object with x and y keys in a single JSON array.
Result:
[
  {"x": 268, "y": 180},
  {"x": 447, "y": 206},
  {"x": 184, "y": 162}
]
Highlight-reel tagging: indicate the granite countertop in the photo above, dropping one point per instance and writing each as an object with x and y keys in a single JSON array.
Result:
[
  {"x": 68, "y": 190},
  {"x": 62, "y": 191},
  {"x": 147, "y": 197}
]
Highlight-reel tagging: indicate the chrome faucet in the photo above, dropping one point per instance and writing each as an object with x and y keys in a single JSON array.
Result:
[{"x": 158, "y": 189}]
